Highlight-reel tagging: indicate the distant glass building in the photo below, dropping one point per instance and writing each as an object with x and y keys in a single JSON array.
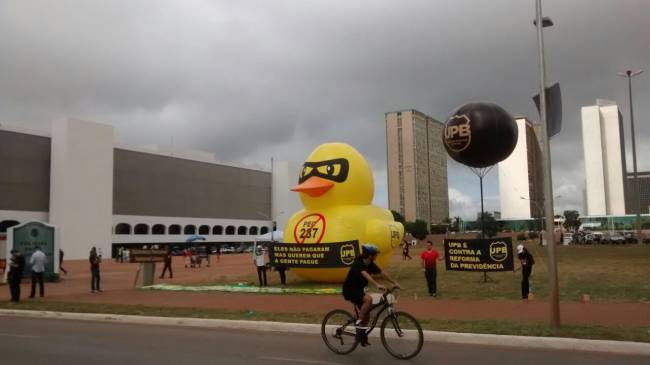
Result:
[
  {"x": 417, "y": 166},
  {"x": 631, "y": 195}
]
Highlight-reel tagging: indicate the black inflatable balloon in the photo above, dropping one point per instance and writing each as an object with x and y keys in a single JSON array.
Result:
[{"x": 480, "y": 134}]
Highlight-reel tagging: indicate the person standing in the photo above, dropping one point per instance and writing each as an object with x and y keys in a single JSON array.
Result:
[
  {"x": 429, "y": 258},
  {"x": 16, "y": 268},
  {"x": 526, "y": 260},
  {"x": 37, "y": 261},
  {"x": 282, "y": 270},
  {"x": 218, "y": 253},
  {"x": 61, "y": 262},
  {"x": 168, "y": 264},
  {"x": 95, "y": 260},
  {"x": 405, "y": 250},
  {"x": 260, "y": 263},
  {"x": 207, "y": 256}
]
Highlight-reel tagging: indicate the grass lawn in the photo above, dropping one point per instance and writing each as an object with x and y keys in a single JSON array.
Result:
[
  {"x": 640, "y": 334},
  {"x": 608, "y": 273}
]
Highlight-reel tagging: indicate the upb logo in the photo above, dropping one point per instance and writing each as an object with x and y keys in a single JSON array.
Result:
[
  {"x": 498, "y": 251},
  {"x": 347, "y": 254},
  {"x": 458, "y": 133}
]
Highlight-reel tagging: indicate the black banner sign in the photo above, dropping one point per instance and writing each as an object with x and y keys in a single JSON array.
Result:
[
  {"x": 494, "y": 254},
  {"x": 321, "y": 255}
]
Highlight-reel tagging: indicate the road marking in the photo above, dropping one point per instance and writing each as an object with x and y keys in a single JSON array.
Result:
[
  {"x": 17, "y": 336},
  {"x": 301, "y": 360}
]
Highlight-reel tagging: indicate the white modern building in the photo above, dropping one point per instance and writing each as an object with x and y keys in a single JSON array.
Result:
[
  {"x": 520, "y": 176},
  {"x": 604, "y": 153},
  {"x": 99, "y": 193}
]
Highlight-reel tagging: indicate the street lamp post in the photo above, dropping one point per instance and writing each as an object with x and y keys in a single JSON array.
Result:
[
  {"x": 629, "y": 74},
  {"x": 540, "y": 23}
]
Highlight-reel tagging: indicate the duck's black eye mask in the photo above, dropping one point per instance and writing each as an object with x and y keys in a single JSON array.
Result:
[{"x": 334, "y": 170}]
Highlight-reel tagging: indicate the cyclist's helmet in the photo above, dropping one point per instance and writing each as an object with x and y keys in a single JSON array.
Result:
[{"x": 369, "y": 249}]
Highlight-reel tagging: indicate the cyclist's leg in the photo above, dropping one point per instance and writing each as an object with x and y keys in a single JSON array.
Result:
[{"x": 364, "y": 311}]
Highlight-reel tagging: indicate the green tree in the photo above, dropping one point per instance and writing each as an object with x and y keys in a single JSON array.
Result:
[
  {"x": 417, "y": 229},
  {"x": 397, "y": 217},
  {"x": 489, "y": 224},
  {"x": 571, "y": 220}
]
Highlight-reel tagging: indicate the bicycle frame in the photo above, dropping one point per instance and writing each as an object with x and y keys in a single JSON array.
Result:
[{"x": 384, "y": 306}]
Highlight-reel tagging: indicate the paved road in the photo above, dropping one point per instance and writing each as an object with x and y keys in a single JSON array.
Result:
[{"x": 52, "y": 342}]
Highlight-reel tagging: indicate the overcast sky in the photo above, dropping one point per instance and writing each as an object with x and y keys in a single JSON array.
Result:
[{"x": 248, "y": 80}]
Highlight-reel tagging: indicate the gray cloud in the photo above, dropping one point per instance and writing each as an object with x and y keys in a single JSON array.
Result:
[{"x": 250, "y": 80}]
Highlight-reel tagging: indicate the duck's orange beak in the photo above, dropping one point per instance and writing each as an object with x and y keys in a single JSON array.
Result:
[{"x": 314, "y": 186}]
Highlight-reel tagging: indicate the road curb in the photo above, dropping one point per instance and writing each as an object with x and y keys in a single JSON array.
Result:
[{"x": 545, "y": 343}]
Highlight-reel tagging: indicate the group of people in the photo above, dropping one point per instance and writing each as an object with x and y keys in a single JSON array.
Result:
[
  {"x": 38, "y": 263},
  {"x": 194, "y": 259},
  {"x": 122, "y": 255},
  {"x": 17, "y": 265}
]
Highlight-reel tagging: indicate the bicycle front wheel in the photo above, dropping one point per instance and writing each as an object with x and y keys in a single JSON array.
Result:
[
  {"x": 401, "y": 335},
  {"x": 338, "y": 332}
]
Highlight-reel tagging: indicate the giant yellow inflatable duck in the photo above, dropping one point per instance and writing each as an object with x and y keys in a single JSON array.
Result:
[{"x": 336, "y": 188}]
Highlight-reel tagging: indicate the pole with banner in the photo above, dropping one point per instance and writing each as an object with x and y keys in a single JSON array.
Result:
[{"x": 540, "y": 22}]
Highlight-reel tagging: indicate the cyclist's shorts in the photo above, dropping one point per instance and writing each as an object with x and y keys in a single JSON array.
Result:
[{"x": 356, "y": 297}]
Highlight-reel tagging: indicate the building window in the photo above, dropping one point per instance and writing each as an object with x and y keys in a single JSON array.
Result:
[
  {"x": 242, "y": 230},
  {"x": 217, "y": 230},
  {"x": 141, "y": 228},
  {"x": 230, "y": 230},
  {"x": 252, "y": 231},
  {"x": 175, "y": 229},
  {"x": 189, "y": 229},
  {"x": 123, "y": 228},
  {"x": 158, "y": 229},
  {"x": 204, "y": 229},
  {"x": 264, "y": 230}
]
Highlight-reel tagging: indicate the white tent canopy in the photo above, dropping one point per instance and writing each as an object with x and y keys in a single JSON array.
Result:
[{"x": 277, "y": 236}]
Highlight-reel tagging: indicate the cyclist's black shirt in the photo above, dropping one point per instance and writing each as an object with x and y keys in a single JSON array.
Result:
[{"x": 355, "y": 282}]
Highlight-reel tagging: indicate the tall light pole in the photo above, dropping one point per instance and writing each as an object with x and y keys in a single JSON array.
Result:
[
  {"x": 629, "y": 74},
  {"x": 554, "y": 298}
]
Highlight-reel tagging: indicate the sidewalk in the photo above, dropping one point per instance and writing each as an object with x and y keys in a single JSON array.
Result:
[{"x": 117, "y": 281}]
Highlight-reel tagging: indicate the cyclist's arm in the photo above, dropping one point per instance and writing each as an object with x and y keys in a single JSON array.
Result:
[
  {"x": 371, "y": 280},
  {"x": 388, "y": 278}
]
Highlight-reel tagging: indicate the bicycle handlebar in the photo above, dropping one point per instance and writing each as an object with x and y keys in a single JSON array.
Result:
[{"x": 390, "y": 290}]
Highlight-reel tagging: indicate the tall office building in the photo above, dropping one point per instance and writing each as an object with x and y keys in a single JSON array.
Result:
[
  {"x": 520, "y": 175},
  {"x": 417, "y": 166},
  {"x": 604, "y": 153}
]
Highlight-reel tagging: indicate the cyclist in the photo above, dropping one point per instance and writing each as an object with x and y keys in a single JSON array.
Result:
[{"x": 360, "y": 274}]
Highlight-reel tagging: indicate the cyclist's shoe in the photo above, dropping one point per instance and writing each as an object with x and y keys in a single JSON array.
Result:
[
  {"x": 364, "y": 340},
  {"x": 361, "y": 332}
]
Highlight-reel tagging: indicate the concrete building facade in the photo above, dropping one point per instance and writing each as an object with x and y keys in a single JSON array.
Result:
[
  {"x": 101, "y": 194},
  {"x": 604, "y": 153},
  {"x": 417, "y": 166},
  {"x": 521, "y": 181}
]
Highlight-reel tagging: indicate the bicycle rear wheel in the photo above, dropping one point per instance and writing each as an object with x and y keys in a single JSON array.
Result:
[
  {"x": 338, "y": 332},
  {"x": 401, "y": 335}
]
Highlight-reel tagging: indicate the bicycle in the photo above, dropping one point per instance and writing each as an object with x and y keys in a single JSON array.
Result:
[{"x": 339, "y": 332}]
